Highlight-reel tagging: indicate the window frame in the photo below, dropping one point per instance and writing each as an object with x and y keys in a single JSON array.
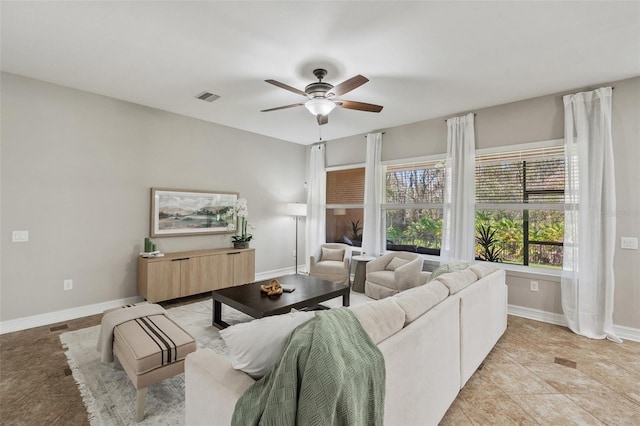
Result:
[
  {"x": 524, "y": 207},
  {"x": 345, "y": 206},
  {"x": 517, "y": 270},
  {"x": 436, "y": 158}
]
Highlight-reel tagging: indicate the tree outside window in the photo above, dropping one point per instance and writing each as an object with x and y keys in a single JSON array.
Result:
[
  {"x": 519, "y": 206},
  {"x": 413, "y": 206}
]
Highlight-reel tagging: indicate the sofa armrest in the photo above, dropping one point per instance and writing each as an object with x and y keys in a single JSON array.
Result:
[
  {"x": 423, "y": 277},
  {"x": 483, "y": 320},
  {"x": 346, "y": 262},
  {"x": 408, "y": 275},
  {"x": 312, "y": 261},
  {"x": 212, "y": 388},
  {"x": 378, "y": 264}
]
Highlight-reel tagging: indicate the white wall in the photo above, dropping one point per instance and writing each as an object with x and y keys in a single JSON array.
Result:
[
  {"x": 534, "y": 120},
  {"x": 76, "y": 171}
]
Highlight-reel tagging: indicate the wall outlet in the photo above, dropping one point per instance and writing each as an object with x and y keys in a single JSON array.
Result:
[
  {"x": 68, "y": 284},
  {"x": 629, "y": 243},
  {"x": 534, "y": 286},
  {"x": 20, "y": 236}
]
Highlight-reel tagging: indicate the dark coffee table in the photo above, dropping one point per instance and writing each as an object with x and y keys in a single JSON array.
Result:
[{"x": 249, "y": 299}]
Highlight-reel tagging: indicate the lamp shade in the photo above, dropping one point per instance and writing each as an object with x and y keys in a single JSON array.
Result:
[
  {"x": 296, "y": 209},
  {"x": 319, "y": 106}
]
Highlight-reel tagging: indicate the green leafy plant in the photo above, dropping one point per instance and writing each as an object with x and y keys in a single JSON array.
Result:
[
  {"x": 425, "y": 232},
  {"x": 486, "y": 238}
]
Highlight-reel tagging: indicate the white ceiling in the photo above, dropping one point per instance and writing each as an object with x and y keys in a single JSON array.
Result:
[{"x": 423, "y": 59}]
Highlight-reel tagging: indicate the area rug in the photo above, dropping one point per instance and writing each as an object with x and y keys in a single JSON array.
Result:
[{"x": 106, "y": 390}]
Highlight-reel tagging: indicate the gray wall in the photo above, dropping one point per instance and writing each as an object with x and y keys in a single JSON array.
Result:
[
  {"x": 535, "y": 120},
  {"x": 76, "y": 171}
]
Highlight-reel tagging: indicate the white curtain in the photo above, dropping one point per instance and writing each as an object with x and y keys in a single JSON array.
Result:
[
  {"x": 316, "y": 202},
  {"x": 589, "y": 224},
  {"x": 458, "y": 223},
  {"x": 372, "y": 232}
]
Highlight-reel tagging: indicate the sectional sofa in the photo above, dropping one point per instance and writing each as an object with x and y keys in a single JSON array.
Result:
[{"x": 433, "y": 338}]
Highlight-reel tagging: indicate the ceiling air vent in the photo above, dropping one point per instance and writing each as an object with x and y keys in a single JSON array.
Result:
[{"x": 208, "y": 97}]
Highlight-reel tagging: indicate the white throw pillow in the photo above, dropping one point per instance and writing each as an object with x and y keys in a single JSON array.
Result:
[
  {"x": 454, "y": 265},
  {"x": 395, "y": 263},
  {"x": 332, "y": 254},
  {"x": 255, "y": 346}
]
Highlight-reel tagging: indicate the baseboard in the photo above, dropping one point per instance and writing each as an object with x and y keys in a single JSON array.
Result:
[
  {"x": 627, "y": 333},
  {"x": 536, "y": 314},
  {"x": 65, "y": 315},
  {"x": 623, "y": 332},
  {"x": 84, "y": 311}
]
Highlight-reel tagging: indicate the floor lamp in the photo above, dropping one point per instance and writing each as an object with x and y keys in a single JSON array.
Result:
[{"x": 297, "y": 210}]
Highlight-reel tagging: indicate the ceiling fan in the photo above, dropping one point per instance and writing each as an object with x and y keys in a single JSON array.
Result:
[{"x": 322, "y": 96}]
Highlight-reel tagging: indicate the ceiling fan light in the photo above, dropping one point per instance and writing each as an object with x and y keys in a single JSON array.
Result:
[{"x": 319, "y": 106}]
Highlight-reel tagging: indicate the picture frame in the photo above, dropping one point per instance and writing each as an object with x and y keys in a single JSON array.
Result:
[{"x": 180, "y": 212}]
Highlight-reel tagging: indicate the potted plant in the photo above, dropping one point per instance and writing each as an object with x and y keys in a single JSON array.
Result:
[
  {"x": 241, "y": 240},
  {"x": 356, "y": 235},
  {"x": 486, "y": 238}
]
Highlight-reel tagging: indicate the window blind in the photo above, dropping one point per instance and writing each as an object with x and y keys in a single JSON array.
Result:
[
  {"x": 345, "y": 186},
  {"x": 527, "y": 176},
  {"x": 415, "y": 183}
]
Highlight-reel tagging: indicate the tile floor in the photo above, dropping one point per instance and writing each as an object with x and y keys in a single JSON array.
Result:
[
  {"x": 540, "y": 373},
  {"x": 537, "y": 374}
]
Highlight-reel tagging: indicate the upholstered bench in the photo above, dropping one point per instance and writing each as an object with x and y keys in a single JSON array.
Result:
[{"x": 150, "y": 349}]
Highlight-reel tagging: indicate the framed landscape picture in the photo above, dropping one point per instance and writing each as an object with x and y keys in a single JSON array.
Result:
[{"x": 177, "y": 212}]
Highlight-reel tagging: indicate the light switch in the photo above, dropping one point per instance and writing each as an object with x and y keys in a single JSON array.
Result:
[
  {"x": 20, "y": 236},
  {"x": 629, "y": 243}
]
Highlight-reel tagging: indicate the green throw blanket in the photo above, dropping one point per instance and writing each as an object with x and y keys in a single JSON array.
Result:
[{"x": 330, "y": 373}]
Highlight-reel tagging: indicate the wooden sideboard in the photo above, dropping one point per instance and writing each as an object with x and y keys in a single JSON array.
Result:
[{"x": 192, "y": 272}]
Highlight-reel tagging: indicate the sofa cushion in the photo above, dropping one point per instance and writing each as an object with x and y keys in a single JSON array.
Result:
[
  {"x": 454, "y": 265},
  {"x": 458, "y": 280},
  {"x": 380, "y": 319},
  {"x": 483, "y": 269},
  {"x": 332, "y": 254},
  {"x": 416, "y": 301},
  {"x": 386, "y": 278},
  {"x": 256, "y": 345},
  {"x": 137, "y": 341},
  {"x": 329, "y": 267},
  {"x": 395, "y": 263}
]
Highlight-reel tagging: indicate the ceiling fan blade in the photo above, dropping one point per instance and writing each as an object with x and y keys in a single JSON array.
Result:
[
  {"x": 286, "y": 87},
  {"x": 281, "y": 107},
  {"x": 322, "y": 119},
  {"x": 360, "y": 106},
  {"x": 349, "y": 85}
]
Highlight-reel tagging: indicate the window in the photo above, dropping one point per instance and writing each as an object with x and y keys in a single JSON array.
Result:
[
  {"x": 413, "y": 206},
  {"x": 520, "y": 206},
  {"x": 345, "y": 205}
]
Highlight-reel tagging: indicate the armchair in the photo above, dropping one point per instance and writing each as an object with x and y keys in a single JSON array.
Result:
[
  {"x": 392, "y": 273},
  {"x": 332, "y": 263}
]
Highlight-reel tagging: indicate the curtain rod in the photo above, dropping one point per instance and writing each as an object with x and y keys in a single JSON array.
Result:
[
  {"x": 612, "y": 88},
  {"x": 445, "y": 120},
  {"x": 380, "y": 132}
]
